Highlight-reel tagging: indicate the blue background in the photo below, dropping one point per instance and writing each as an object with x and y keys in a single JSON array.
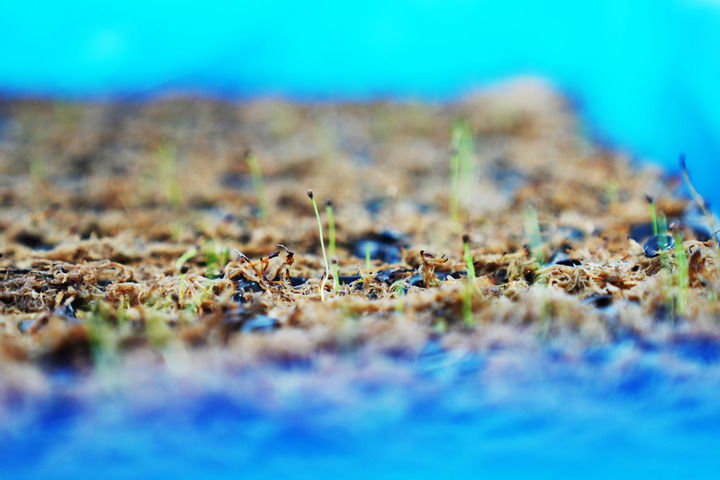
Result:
[{"x": 643, "y": 73}]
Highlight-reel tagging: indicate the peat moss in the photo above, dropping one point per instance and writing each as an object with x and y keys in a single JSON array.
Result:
[{"x": 90, "y": 241}]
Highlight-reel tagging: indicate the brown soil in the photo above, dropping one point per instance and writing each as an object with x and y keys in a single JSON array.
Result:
[{"x": 100, "y": 200}]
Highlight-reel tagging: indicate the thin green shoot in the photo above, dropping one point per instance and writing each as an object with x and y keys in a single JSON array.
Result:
[
  {"x": 99, "y": 333},
  {"x": 185, "y": 257},
  {"x": 38, "y": 169},
  {"x": 331, "y": 227},
  {"x": 612, "y": 191},
  {"x": 454, "y": 169},
  {"x": 399, "y": 294},
  {"x": 653, "y": 213},
  {"x": 215, "y": 259},
  {"x": 682, "y": 275},
  {"x": 336, "y": 278},
  {"x": 467, "y": 313},
  {"x": 368, "y": 263},
  {"x": 258, "y": 184},
  {"x": 311, "y": 195},
  {"x": 667, "y": 275},
  {"x": 179, "y": 266},
  {"x": 699, "y": 199},
  {"x": 532, "y": 230},
  {"x": 461, "y": 172},
  {"x": 167, "y": 172}
]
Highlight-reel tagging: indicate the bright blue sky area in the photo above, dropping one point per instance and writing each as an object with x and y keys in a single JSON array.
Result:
[{"x": 643, "y": 72}]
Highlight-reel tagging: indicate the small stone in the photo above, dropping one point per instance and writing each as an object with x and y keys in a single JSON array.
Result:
[
  {"x": 259, "y": 324},
  {"x": 657, "y": 244}
]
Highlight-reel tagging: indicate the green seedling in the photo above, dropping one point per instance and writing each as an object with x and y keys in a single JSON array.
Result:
[
  {"x": 440, "y": 327},
  {"x": 668, "y": 277},
  {"x": 215, "y": 259},
  {"x": 100, "y": 332},
  {"x": 467, "y": 312},
  {"x": 189, "y": 254},
  {"x": 399, "y": 294},
  {"x": 38, "y": 169},
  {"x": 682, "y": 275},
  {"x": 336, "y": 278},
  {"x": 612, "y": 191},
  {"x": 179, "y": 264},
  {"x": 532, "y": 230},
  {"x": 258, "y": 184},
  {"x": 461, "y": 172},
  {"x": 331, "y": 227},
  {"x": 653, "y": 213},
  {"x": 167, "y": 171},
  {"x": 368, "y": 263},
  {"x": 311, "y": 195}
]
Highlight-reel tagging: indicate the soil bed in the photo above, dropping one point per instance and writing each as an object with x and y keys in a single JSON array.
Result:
[{"x": 130, "y": 229}]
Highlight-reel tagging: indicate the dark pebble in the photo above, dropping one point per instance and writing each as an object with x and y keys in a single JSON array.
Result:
[
  {"x": 599, "y": 301},
  {"x": 445, "y": 275},
  {"x": 416, "y": 281},
  {"x": 392, "y": 275},
  {"x": 348, "y": 279},
  {"x": 234, "y": 180},
  {"x": 68, "y": 312},
  {"x": 385, "y": 246},
  {"x": 657, "y": 244},
  {"x": 641, "y": 231},
  {"x": 15, "y": 271},
  {"x": 244, "y": 285},
  {"x": 569, "y": 262},
  {"x": 374, "y": 206},
  {"x": 25, "y": 325},
  {"x": 33, "y": 240},
  {"x": 702, "y": 233},
  {"x": 297, "y": 281},
  {"x": 259, "y": 324}
]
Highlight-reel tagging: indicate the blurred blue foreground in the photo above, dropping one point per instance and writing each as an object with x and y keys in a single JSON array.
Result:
[{"x": 626, "y": 411}]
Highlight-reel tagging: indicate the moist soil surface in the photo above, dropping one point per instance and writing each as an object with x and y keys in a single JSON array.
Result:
[{"x": 134, "y": 229}]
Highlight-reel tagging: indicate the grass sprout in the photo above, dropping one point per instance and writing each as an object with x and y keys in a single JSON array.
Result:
[
  {"x": 258, "y": 184},
  {"x": 682, "y": 275},
  {"x": 216, "y": 258},
  {"x": 467, "y": 313},
  {"x": 185, "y": 257},
  {"x": 167, "y": 173},
  {"x": 462, "y": 171},
  {"x": 336, "y": 278},
  {"x": 179, "y": 264},
  {"x": 532, "y": 230},
  {"x": 331, "y": 227},
  {"x": 311, "y": 195},
  {"x": 399, "y": 296},
  {"x": 653, "y": 213}
]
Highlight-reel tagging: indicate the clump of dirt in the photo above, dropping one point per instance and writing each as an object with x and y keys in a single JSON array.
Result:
[{"x": 133, "y": 227}]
